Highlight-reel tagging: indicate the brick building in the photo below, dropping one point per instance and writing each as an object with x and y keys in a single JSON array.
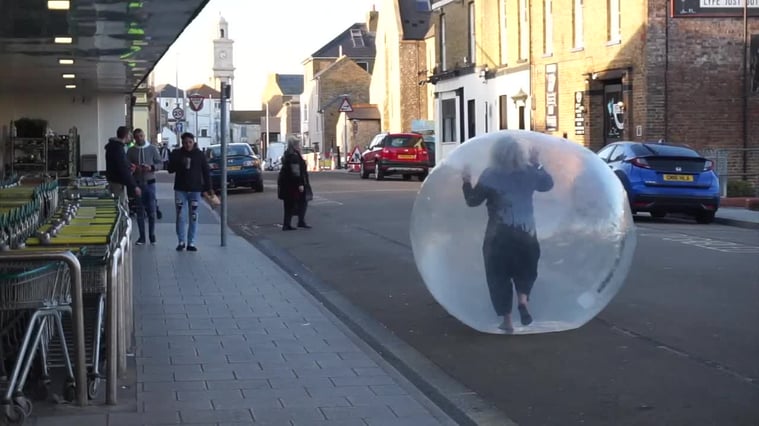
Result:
[
  {"x": 649, "y": 73},
  {"x": 400, "y": 64},
  {"x": 343, "y": 77},
  {"x": 598, "y": 71},
  {"x": 357, "y": 43}
]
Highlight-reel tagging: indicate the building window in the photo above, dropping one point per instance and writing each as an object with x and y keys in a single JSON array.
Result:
[
  {"x": 221, "y": 32},
  {"x": 577, "y": 21},
  {"x": 472, "y": 35},
  {"x": 243, "y": 132},
  {"x": 305, "y": 113},
  {"x": 547, "y": 27},
  {"x": 614, "y": 20},
  {"x": 357, "y": 38},
  {"x": 363, "y": 65},
  {"x": 503, "y": 109},
  {"x": 448, "y": 113},
  {"x": 471, "y": 118},
  {"x": 203, "y": 133},
  {"x": 524, "y": 31},
  {"x": 442, "y": 43},
  {"x": 522, "y": 123},
  {"x": 504, "y": 33}
]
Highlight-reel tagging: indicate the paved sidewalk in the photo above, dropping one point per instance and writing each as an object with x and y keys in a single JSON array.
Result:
[
  {"x": 740, "y": 217},
  {"x": 226, "y": 337}
]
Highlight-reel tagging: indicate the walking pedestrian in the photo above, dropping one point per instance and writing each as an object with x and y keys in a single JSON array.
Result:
[
  {"x": 118, "y": 170},
  {"x": 293, "y": 186},
  {"x": 510, "y": 250},
  {"x": 192, "y": 176},
  {"x": 145, "y": 160}
]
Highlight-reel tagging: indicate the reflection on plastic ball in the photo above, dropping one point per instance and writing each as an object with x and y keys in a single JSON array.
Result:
[{"x": 521, "y": 232}]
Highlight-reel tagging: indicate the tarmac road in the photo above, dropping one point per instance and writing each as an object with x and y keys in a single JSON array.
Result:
[{"x": 679, "y": 345}]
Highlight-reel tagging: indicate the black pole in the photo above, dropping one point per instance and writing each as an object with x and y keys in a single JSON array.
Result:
[{"x": 745, "y": 89}]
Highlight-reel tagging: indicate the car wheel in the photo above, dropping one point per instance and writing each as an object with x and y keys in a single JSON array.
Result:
[
  {"x": 364, "y": 172},
  {"x": 378, "y": 174},
  {"x": 658, "y": 214},
  {"x": 705, "y": 217}
]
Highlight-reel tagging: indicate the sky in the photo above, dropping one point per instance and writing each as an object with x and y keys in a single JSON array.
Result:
[{"x": 269, "y": 37}]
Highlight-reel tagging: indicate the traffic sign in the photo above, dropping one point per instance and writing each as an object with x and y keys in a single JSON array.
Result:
[
  {"x": 179, "y": 126},
  {"x": 196, "y": 102},
  {"x": 178, "y": 113},
  {"x": 355, "y": 157},
  {"x": 346, "y": 106}
]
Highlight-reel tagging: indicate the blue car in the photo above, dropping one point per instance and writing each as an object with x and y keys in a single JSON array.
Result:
[
  {"x": 243, "y": 167},
  {"x": 662, "y": 178}
]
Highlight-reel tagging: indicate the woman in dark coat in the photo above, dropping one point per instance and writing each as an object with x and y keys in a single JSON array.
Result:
[
  {"x": 510, "y": 250},
  {"x": 293, "y": 186}
]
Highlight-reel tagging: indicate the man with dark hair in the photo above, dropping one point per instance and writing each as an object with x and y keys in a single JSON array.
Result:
[
  {"x": 118, "y": 172},
  {"x": 145, "y": 160},
  {"x": 193, "y": 176}
]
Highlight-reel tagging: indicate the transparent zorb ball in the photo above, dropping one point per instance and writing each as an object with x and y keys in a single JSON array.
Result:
[{"x": 543, "y": 221}]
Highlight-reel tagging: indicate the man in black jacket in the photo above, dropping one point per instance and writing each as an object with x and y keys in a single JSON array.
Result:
[
  {"x": 192, "y": 176},
  {"x": 118, "y": 171}
]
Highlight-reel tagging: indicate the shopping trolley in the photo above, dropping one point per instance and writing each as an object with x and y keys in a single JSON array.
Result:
[{"x": 33, "y": 296}]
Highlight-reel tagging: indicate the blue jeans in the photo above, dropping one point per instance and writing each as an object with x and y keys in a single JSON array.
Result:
[
  {"x": 146, "y": 206},
  {"x": 187, "y": 207}
]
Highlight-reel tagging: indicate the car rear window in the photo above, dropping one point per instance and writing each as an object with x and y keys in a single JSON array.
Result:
[
  {"x": 232, "y": 150},
  {"x": 663, "y": 150},
  {"x": 402, "y": 141}
]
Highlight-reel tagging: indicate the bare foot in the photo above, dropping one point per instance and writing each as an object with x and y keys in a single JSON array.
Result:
[{"x": 506, "y": 325}]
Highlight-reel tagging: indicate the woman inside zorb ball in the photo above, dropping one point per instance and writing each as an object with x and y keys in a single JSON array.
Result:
[
  {"x": 518, "y": 232},
  {"x": 511, "y": 249}
]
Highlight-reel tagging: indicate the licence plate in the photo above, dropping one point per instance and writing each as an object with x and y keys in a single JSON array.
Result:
[
  {"x": 678, "y": 178},
  {"x": 233, "y": 168},
  {"x": 406, "y": 157}
]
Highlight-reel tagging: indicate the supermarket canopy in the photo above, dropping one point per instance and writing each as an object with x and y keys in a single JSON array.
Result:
[{"x": 108, "y": 45}]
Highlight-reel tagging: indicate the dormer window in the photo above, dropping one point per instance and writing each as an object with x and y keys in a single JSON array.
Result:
[{"x": 357, "y": 38}]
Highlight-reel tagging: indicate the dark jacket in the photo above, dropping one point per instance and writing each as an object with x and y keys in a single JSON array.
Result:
[
  {"x": 196, "y": 177},
  {"x": 294, "y": 173},
  {"x": 116, "y": 164}
]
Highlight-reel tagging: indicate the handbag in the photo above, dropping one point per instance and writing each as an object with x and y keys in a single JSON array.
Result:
[{"x": 309, "y": 193}]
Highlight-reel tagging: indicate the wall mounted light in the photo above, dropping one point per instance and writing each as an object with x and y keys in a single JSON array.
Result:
[
  {"x": 69, "y": 76},
  {"x": 71, "y": 86},
  {"x": 66, "y": 61},
  {"x": 58, "y": 4},
  {"x": 484, "y": 74},
  {"x": 63, "y": 40}
]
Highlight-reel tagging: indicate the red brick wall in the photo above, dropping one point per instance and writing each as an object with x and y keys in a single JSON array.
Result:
[{"x": 704, "y": 103}]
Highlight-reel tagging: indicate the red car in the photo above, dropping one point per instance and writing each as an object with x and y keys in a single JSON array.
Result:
[{"x": 396, "y": 154}]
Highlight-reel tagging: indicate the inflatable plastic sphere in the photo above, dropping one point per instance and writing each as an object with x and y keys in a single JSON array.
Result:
[{"x": 517, "y": 232}]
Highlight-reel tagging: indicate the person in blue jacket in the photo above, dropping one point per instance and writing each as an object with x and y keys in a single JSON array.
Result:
[{"x": 510, "y": 249}]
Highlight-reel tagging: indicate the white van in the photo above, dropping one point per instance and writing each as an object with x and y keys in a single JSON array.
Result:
[{"x": 274, "y": 155}]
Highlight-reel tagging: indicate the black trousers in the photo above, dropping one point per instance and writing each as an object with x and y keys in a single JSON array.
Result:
[
  {"x": 511, "y": 256},
  {"x": 295, "y": 207}
]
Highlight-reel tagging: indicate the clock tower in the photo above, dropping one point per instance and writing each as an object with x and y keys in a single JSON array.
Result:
[{"x": 223, "y": 65}]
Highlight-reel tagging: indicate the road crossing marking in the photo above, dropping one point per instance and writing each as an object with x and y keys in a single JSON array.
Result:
[{"x": 706, "y": 243}]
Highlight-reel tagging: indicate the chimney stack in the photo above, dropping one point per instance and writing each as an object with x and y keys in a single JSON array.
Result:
[{"x": 371, "y": 20}]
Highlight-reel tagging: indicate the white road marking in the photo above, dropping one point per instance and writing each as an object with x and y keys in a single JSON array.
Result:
[{"x": 706, "y": 243}]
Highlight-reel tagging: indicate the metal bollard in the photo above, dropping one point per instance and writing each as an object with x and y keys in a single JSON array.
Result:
[
  {"x": 77, "y": 310},
  {"x": 121, "y": 307},
  {"x": 112, "y": 329}
]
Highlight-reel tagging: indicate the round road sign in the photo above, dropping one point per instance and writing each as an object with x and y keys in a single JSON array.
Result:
[{"x": 177, "y": 113}]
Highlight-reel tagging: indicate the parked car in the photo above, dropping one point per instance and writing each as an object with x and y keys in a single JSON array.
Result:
[
  {"x": 662, "y": 178},
  {"x": 396, "y": 153},
  {"x": 243, "y": 167}
]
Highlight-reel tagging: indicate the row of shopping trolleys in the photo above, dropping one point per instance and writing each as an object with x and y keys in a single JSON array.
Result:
[{"x": 56, "y": 242}]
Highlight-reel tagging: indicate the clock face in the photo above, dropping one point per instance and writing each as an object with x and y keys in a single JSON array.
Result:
[{"x": 223, "y": 54}]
